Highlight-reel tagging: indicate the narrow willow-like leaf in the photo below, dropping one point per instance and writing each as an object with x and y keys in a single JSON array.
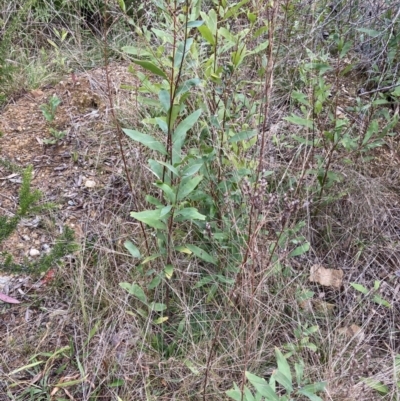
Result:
[
  {"x": 132, "y": 248},
  {"x": 243, "y": 135},
  {"x": 187, "y": 85},
  {"x": 157, "y": 307},
  {"x": 146, "y": 140},
  {"x": 284, "y": 368},
  {"x": 202, "y": 254},
  {"x": 188, "y": 184},
  {"x": 135, "y": 51},
  {"x": 179, "y": 56},
  {"x": 360, "y": 288},
  {"x": 195, "y": 24},
  {"x": 150, "y": 217},
  {"x": 135, "y": 290},
  {"x": 207, "y": 34},
  {"x": 178, "y": 137},
  {"x": 191, "y": 170},
  {"x": 300, "y": 250},
  {"x": 299, "y": 121},
  {"x": 188, "y": 214},
  {"x": 169, "y": 192},
  {"x": 165, "y": 99},
  {"x": 149, "y": 66},
  {"x": 262, "y": 387}
]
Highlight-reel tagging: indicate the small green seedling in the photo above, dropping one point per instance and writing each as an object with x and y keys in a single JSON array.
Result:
[
  {"x": 49, "y": 109},
  {"x": 56, "y": 136}
]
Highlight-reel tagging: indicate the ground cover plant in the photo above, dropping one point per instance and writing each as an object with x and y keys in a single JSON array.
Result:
[{"x": 245, "y": 244}]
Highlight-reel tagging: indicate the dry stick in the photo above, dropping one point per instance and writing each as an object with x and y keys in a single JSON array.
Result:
[
  {"x": 173, "y": 90},
  {"x": 117, "y": 124},
  {"x": 269, "y": 78},
  {"x": 268, "y": 90}
]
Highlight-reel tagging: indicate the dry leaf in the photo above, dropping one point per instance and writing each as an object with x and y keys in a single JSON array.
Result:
[
  {"x": 6, "y": 298},
  {"x": 306, "y": 305},
  {"x": 352, "y": 331},
  {"x": 326, "y": 277},
  {"x": 322, "y": 306}
]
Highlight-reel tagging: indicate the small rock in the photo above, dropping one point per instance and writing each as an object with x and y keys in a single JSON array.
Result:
[
  {"x": 34, "y": 252},
  {"x": 90, "y": 184},
  {"x": 26, "y": 237},
  {"x": 46, "y": 247}
]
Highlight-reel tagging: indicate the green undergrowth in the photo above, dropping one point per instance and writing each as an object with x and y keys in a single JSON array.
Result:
[{"x": 28, "y": 206}]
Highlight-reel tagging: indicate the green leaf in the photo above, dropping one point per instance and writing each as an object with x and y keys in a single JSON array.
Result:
[
  {"x": 162, "y": 124},
  {"x": 359, "y": 288},
  {"x": 207, "y": 34},
  {"x": 165, "y": 210},
  {"x": 135, "y": 51},
  {"x": 234, "y": 394},
  {"x": 300, "y": 250},
  {"x": 168, "y": 191},
  {"x": 187, "y": 85},
  {"x": 169, "y": 167},
  {"x": 380, "y": 301},
  {"x": 168, "y": 271},
  {"x": 188, "y": 213},
  {"x": 135, "y": 290},
  {"x": 161, "y": 320},
  {"x": 165, "y": 99},
  {"x": 157, "y": 307},
  {"x": 117, "y": 383},
  {"x": 149, "y": 66},
  {"x": 373, "y": 128},
  {"x": 154, "y": 201},
  {"x": 202, "y": 254},
  {"x": 242, "y": 136},
  {"x": 132, "y": 248},
  {"x": 346, "y": 47},
  {"x": 191, "y": 170},
  {"x": 299, "y": 369},
  {"x": 232, "y": 10},
  {"x": 370, "y": 32},
  {"x": 262, "y": 387},
  {"x": 259, "y": 48},
  {"x": 150, "y": 217},
  {"x": 301, "y": 98},
  {"x": 300, "y": 121},
  {"x": 238, "y": 56},
  {"x": 283, "y": 380},
  {"x": 284, "y": 368},
  {"x": 376, "y": 385},
  {"x": 248, "y": 396},
  {"x": 179, "y": 135},
  {"x": 179, "y": 56},
  {"x": 154, "y": 283},
  {"x": 210, "y": 20},
  {"x": 315, "y": 387},
  {"x": 227, "y": 35},
  {"x": 187, "y": 185},
  {"x": 204, "y": 281},
  {"x": 309, "y": 395},
  {"x": 195, "y": 24},
  {"x": 122, "y": 5},
  {"x": 146, "y": 140}
]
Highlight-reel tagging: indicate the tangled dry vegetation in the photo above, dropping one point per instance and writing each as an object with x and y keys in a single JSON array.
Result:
[{"x": 230, "y": 173}]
